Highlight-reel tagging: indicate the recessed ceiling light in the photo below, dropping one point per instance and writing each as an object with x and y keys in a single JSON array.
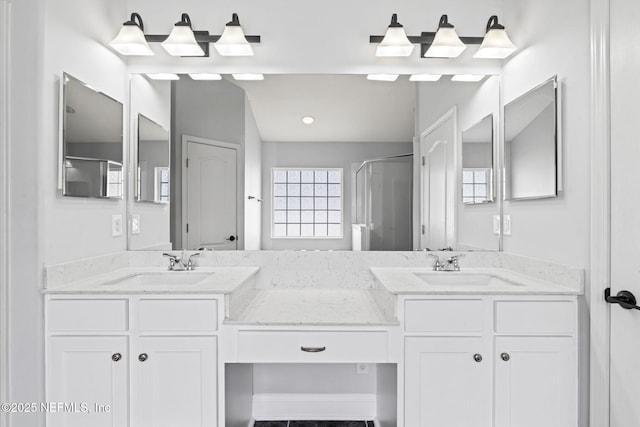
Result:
[
  {"x": 383, "y": 77},
  {"x": 425, "y": 77},
  {"x": 163, "y": 76},
  {"x": 248, "y": 76},
  {"x": 467, "y": 78},
  {"x": 308, "y": 120},
  {"x": 205, "y": 76}
]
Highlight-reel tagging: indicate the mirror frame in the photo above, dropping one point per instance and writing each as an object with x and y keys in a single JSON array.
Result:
[
  {"x": 62, "y": 142},
  {"x": 558, "y": 143}
]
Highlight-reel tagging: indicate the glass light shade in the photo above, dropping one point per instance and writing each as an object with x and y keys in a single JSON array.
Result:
[
  {"x": 496, "y": 45},
  {"x": 248, "y": 76},
  {"x": 233, "y": 42},
  {"x": 163, "y": 76},
  {"x": 205, "y": 76},
  {"x": 182, "y": 42},
  {"x": 425, "y": 77},
  {"x": 395, "y": 43},
  {"x": 446, "y": 44},
  {"x": 383, "y": 77},
  {"x": 130, "y": 41},
  {"x": 467, "y": 77}
]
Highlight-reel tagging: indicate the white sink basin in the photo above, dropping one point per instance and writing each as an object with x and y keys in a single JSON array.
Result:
[
  {"x": 164, "y": 278},
  {"x": 456, "y": 278}
]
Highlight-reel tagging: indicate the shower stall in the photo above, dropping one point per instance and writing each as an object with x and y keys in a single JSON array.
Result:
[{"x": 383, "y": 204}]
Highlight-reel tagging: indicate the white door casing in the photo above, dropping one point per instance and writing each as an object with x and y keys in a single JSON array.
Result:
[
  {"x": 625, "y": 204},
  {"x": 209, "y": 195},
  {"x": 438, "y": 182}
]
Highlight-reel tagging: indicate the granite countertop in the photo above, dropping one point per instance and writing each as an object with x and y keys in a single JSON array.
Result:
[
  {"x": 318, "y": 307},
  {"x": 399, "y": 281},
  {"x": 206, "y": 280}
]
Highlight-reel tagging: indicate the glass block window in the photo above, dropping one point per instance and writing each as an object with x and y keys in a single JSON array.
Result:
[
  {"x": 307, "y": 203},
  {"x": 476, "y": 185}
]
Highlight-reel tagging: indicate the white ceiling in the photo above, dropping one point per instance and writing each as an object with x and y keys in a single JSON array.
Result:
[{"x": 345, "y": 107}]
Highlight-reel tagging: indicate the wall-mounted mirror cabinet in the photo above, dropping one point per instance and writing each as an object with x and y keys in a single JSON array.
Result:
[
  {"x": 153, "y": 149},
  {"x": 532, "y": 144},
  {"x": 478, "y": 150},
  {"x": 91, "y": 143}
]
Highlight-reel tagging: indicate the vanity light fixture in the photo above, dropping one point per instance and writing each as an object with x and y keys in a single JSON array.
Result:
[
  {"x": 130, "y": 40},
  {"x": 496, "y": 43},
  {"x": 308, "y": 120},
  {"x": 395, "y": 41},
  {"x": 425, "y": 77},
  {"x": 446, "y": 43},
  {"x": 182, "y": 40},
  {"x": 205, "y": 76},
  {"x": 248, "y": 76},
  {"x": 233, "y": 42},
  {"x": 467, "y": 77},
  {"x": 383, "y": 77},
  {"x": 163, "y": 76}
]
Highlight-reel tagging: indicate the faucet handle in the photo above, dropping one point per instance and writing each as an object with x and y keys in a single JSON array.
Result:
[
  {"x": 437, "y": 264},
  {"x": 190, "y": 263},
  {"x": 172, "y": 260}
]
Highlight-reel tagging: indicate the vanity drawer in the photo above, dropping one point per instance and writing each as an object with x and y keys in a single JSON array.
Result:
[
  {"x": 157, "y": 315},
  {"x": 312, "y": 346},
  {"x": 535, "y": 317},
  {"x": 444, "y": 315},
  {"x": 88, "y": 315}
]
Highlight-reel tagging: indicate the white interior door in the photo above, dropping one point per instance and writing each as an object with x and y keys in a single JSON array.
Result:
[
  {"x": 210, "y": 195},
  {"x": 438, "y": 183},
  {"x": 625, "y": 205}
]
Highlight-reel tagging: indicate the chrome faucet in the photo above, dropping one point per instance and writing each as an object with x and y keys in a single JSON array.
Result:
[
  {"x": 449, "y": 264},
  {"x": 177, "y": 263}
]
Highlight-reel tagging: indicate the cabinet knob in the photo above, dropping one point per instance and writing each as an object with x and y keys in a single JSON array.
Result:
[
  {"x": 505, "y": 357},
  {"x": 142, "y": 357},
  {"x": 477, "y": 357},
  {"x": 116, "y": 356}
]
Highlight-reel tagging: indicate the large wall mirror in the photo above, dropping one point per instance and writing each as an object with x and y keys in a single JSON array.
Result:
[
  {"x": 92, "y": 142},
  {"x": 532, "y": 145},
  {"x": 231, "y": 136}
]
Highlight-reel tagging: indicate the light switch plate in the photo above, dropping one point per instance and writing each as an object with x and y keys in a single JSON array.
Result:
[
  {"x": 135, "y": 224},
  {"x": 116, "y": 225},
  {"x": 496, "y": 224},
  {"x": 507, "y": 225}
]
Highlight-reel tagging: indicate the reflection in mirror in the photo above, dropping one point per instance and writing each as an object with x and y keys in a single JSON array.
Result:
[
  {"x": 92, "y": 143},
  {"x": 477, "y": 162},
  {"x": 152, "y": 183},
  {"x": 531, "y": 149},
  {"x": 355, "y": 120}
]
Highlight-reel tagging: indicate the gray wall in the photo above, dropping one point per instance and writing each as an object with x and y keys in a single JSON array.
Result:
[
  {"x": 319, "y": 155},
  {"x": 205, "y": 109}
]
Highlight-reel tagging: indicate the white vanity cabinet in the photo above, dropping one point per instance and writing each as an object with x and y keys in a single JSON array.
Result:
[
  {"x": 490, "y": 360},
  {"x": 133, "y": 360}
]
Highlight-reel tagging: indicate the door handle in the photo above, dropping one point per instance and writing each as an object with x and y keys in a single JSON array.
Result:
[
  {"x": 626, "y": 299},
  {"x": 231, "y": 238}
]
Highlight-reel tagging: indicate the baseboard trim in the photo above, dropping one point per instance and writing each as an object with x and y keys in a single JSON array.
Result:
[{"x": 307, "y": 406}]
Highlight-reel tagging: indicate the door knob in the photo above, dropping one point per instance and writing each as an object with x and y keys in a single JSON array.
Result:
[
  {"x": 626, "y": 299},
  {"x": 231, "y": 238}
]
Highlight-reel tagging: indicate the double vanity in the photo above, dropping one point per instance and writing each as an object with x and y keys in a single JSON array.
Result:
[{"x": 494, "y": 344}]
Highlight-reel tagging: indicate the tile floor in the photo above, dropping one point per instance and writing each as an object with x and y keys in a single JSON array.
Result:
[{"x": 313, "y": 424}]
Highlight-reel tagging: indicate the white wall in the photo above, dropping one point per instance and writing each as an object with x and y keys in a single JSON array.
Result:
[
  {"x": 554, "y": 39},
  {"x": 152, "y": 99},
  {"x": 76, "y": 43},
  {"x": 474, "y": 101},
  {"x": 318, "y": 155},
  {"x": 252, "y": 182}
]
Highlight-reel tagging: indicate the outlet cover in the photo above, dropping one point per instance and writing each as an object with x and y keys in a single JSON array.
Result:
[
  {"x": 116, "y": 225},
  {"x": 507, "y": 225},
  {"x": 135, "y": 224}
]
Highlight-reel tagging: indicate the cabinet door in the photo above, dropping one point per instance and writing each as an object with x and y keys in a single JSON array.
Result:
[
  {"x": 175, "y": 381},
  {"x": 89, "y": 377},
  {"x": 536, "y": 384},
  {"x": 446, "y": 383}
]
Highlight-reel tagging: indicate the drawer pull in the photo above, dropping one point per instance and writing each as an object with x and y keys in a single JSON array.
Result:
[
  {"x": 313, "y": 349},
  {"x": 142, "y": 357},
  {"x": 115, "y": 357}
]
